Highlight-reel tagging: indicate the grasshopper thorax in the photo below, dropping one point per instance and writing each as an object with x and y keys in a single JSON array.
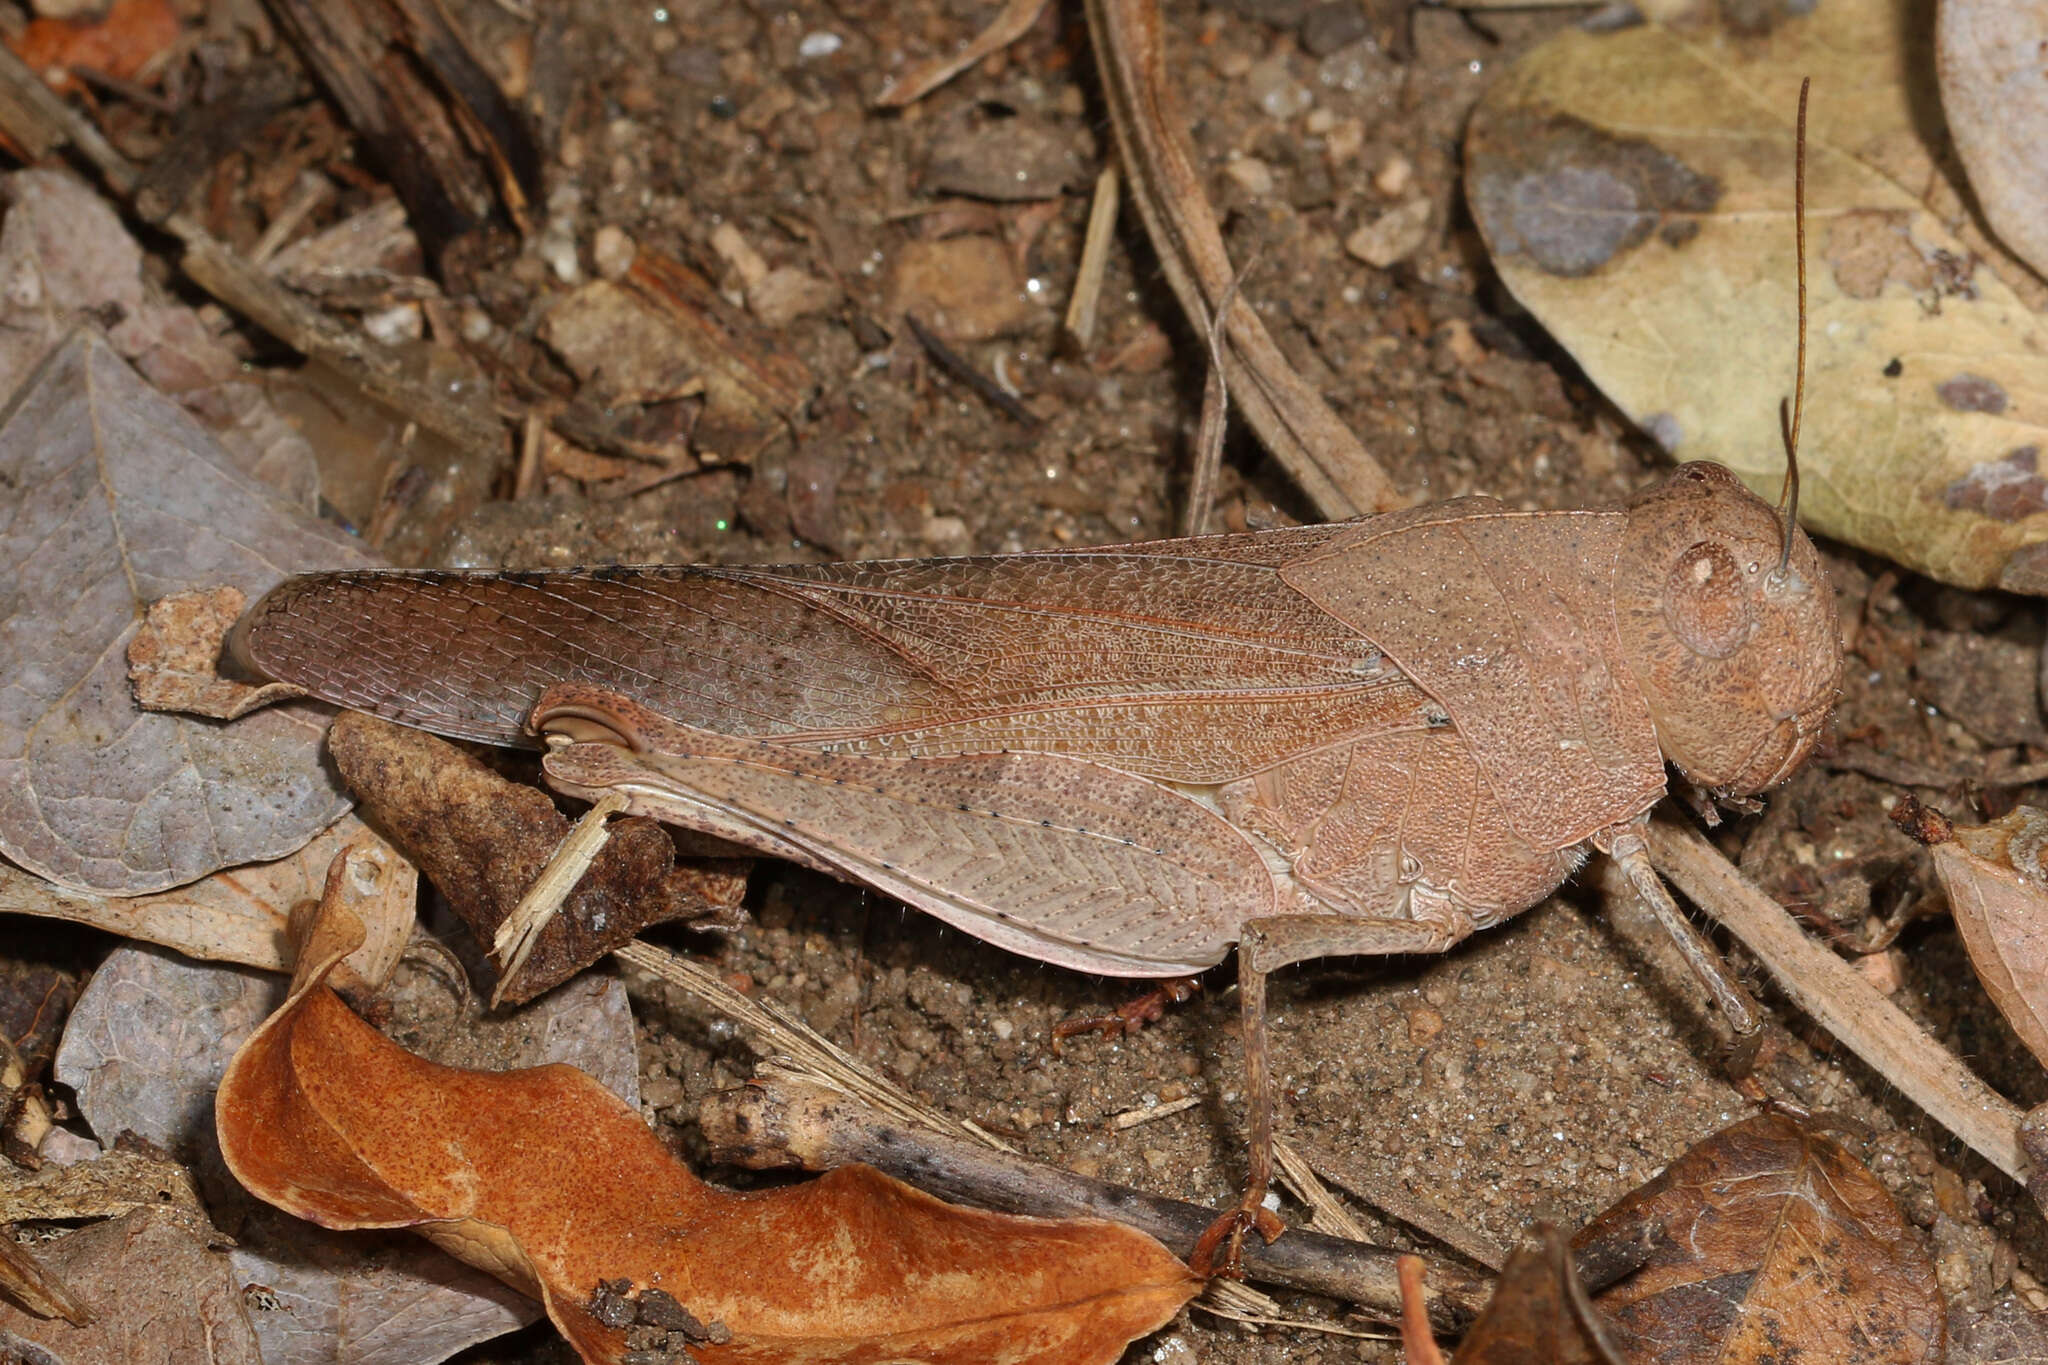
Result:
[{"x": 1732, "y": 638}]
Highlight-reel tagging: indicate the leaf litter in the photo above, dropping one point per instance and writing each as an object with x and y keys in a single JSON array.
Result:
[
  {"x": 544, "y": 1178},
  {"x": 117, "y": 499},
  {"x": 916, "y": 1016}
]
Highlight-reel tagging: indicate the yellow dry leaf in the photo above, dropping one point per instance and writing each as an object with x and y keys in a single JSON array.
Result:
[{"x": 1635, "y": 189}]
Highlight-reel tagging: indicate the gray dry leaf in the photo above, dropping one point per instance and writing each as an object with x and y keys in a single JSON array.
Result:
[
  {"x": 1635, "y": 190},
  {"x": 111, "y": 497},
  {"x": 161, "y": 1296},
  {"x": 1994, "y": 91},
  {"x": 64, "y": 254},
  {"x": 145, "y": 1049},
  {"x": 241, "y": 914},
  {"x": 1998, "y": 892}
]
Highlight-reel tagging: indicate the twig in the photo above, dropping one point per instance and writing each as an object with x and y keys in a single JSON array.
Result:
[
  {"x": 1010, "y": 25},
  {"x": 801, "y": 1045},
  {"x": 1318, "y": 451},
  {"x": 1081, "y": 308},
  {"x": 953, "y": 363},
  {"x": 781, "y": 1118},
  {"x": 1841, "y": 1001},
  {"x": 1404, "y": 1207}
]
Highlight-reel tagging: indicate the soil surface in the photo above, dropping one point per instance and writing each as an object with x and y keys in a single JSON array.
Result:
[{"x": 1539, "y": 1071}]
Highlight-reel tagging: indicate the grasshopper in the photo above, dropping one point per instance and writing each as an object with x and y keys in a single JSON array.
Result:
[{"x": 1363, "y": 738}]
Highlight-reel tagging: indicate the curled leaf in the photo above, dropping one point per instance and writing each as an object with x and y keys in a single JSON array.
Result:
[
  {"x": 1998, "y": 892},
  {"x": 550, "y": 1182},
  {"x": 240, "y": 914},
  {"x": 1635, "y": 190},
  {"x": 1744, "y": 1231}
]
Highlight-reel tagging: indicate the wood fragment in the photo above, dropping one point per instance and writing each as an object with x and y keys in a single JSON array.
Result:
[
  {"x": 1150, "y": 1113},
  {"x": 35, "y": 117},
  {"x": 1841, "y": 1001},
  {"x": 520, "y": 930},
  {"x": 1012, "y": 23},
  {"x": 1095, "y": 242},
  {"x": 1319, "y": 452},
  {"x": 954, "y": 364},
  {"x": 458, "y": 153},
  {"x": 781, "y": 1118}
]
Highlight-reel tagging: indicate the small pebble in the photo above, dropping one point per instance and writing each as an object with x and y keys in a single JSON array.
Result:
[
  {"x": 1275, "y": 90},
  {"x": 1252, "y": 175},
  {"x": 1331, "y": 25},
  {"x": 822, "y": 43},
  {"x": 1394, "y": 236},
  {"x": 613, "y": 251},
  {"x": 1393, "y": 176}
]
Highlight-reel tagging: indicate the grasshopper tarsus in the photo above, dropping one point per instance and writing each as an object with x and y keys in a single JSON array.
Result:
[{"x": 1127, "y": 1018}]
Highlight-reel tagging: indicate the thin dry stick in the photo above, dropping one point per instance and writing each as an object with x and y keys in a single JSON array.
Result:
[
  {"x": 1318, "y": 451},
  {"x": 1404, "y": 1207},
  {"x": 1081, "y": 309},
  {"x": 1215, "y": 422},
  {"x": 1329, "y": 1212},
  {"x": 1010, "y": 25},
  {"x": 784, "y": 1118},
  {"x": 519, "y": 931},
  {"x": 814, "y": 1056},
  {"x": 1841, "y": 1001}
]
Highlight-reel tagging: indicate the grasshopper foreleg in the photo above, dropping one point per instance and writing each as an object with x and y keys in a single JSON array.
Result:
[{"x": 1626, "y": 845}]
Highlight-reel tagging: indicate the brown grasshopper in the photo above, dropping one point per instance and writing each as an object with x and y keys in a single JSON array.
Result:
[{"x": 1370, "y": 737}]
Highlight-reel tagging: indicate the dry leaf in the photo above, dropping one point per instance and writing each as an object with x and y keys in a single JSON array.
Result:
[
  {"x": 134, "y": 1175},
  {"x": 27, "y": 1283},
  {"x": 545, "y": 1178},
  {"x": 1635, "y": 190},
  {"x": 1994, "y": 91},
  {"x": 145, "y": 1050},
  {"x": 240, "y": 914},
  {"x": 483, "y": 841},
  {"x": 65, "y": 253},
  {"x": 1998, "y": 892},
  {"x": 1745, "y": 1230},
  {"x": 160, "y": 1296},
  {"x": 114, "y": 498},
  {"x": 120, "y": 43},
  {"x": 173, "y": 659},
  {"x": 1539, "y": 1314}
]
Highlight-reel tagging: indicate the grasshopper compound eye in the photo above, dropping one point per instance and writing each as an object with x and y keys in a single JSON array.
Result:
[{"x": 1709, "y": 602}]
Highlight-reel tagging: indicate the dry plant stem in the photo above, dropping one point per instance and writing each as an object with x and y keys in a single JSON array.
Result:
[
  {"x": 35, "y": 117},
  {"x": 1393, "y": 1201},
  {"x": 1300, "y": 1177},
  {"x": 1841, "y": 1001},
  {"x": 1318, "y": 451},
  {"x": 820, "y": 1129},
  {"x": 1012, "y": 23},
  {"x": 796, "y": 1041},
  {"x": 1082, "y": 308},
  {"x": 521, "y": 929}
]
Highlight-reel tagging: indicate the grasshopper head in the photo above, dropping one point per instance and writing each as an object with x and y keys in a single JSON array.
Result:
[{"x": 1731, "y": 635}]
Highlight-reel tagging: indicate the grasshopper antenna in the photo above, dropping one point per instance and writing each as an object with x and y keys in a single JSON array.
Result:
[{"x": 1788, "y": 418}]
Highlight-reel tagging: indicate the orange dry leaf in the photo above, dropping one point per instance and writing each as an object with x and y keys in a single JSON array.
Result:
[
  {"x": 549, "y": 1181},
  {"x": 119, "y": 45}
]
